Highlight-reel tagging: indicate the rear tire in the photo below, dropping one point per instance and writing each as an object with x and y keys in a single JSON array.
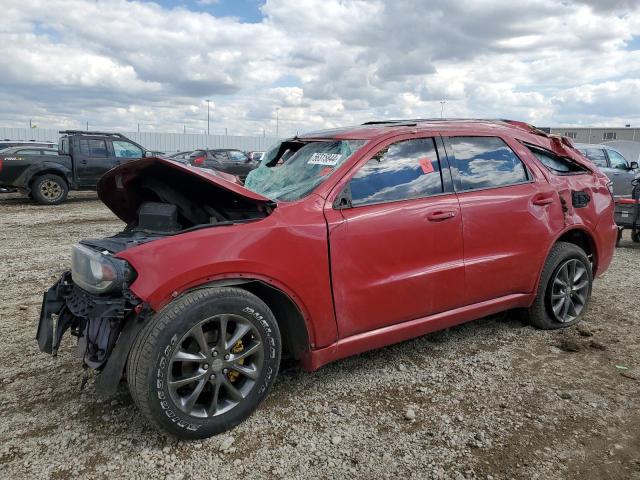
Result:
[
  {"x": 564, "y": 290},
  {"x": 193, "y": 382},
  {"x": 49, "y": 189}
]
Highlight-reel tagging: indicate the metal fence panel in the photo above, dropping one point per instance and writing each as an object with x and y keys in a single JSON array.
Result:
[{"x": 164, "y": 142}]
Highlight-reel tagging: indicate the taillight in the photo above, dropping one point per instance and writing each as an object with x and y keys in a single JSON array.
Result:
[
  {"x": 0, "y": 164},
  {"x": 198, "y": 161}
]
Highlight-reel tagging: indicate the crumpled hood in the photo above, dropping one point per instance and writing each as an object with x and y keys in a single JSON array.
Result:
[{"x": 119, "y": 188}]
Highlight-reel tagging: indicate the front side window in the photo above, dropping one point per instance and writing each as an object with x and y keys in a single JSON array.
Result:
[
  {"x": 485, "y": 162},
  {"x": 403, "y": 170},
  {"x": 126, "y": 150},
  {"x": 617, "y": 160},
  {"x": 93, "y": 148},
  {"x": 297, "y": 175},
  {"x": 597, "y": 156}
]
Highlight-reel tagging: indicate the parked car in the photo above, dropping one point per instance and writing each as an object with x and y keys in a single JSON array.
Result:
[
  {"x": 225, "y": 160},
  {"x": 613, "y": 164},
  {"x": 7, "y": 143},
  {"x": 182, "y": 157},
  {"x": 255, "y": 156},
  {"x": 363, "y": 237},
  {"x": 81, "y": 159}
]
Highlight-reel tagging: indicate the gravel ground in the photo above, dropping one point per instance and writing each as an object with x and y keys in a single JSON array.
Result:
[{"x": 491, "y": 399}]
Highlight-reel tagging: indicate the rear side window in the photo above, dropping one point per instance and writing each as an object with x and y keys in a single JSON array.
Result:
[
  {"x": 556, "y": 164},
  {"x": 485, "y": 162},
  {"x": 401, "y": 171},
  {"x": 29, "y": 152},
  {"x": 93, "y": 148},
  {"x": 237, "y": 156},
  {"x": 597, "y": 156}
]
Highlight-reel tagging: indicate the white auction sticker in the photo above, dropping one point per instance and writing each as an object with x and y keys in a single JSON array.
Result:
[{"x": 330, "y": 159}]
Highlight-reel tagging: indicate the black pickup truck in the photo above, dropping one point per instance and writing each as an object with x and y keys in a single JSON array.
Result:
[{"x": 83, "y": 157}]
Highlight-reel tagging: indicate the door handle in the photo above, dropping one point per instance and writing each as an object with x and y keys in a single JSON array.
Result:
[
  {"x": 441, "y": 215},
  {"x": 542, "y": 200},
  {"x": 84, "y": 162}
]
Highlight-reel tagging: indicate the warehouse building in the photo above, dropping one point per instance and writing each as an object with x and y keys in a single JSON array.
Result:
[{"x": 599, "y": 134}]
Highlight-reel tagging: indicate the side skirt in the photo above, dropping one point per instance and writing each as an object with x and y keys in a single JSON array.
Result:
[{"x": 382, "y": 337}]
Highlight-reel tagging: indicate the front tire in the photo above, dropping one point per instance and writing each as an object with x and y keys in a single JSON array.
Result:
[
  {"x": 564, "y": 290},
  {"x": 205, "y": 362},
  {"x": 49, "y": 189}
]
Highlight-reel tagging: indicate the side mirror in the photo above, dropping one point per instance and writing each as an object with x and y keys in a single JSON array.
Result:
[{"x": 633, "y": 165}]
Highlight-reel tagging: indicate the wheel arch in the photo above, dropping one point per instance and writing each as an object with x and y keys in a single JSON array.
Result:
[
  {"x": 583, "y": 239},
  {"x": 49, "y": 170},
  {"x": 292, "y": 322}
]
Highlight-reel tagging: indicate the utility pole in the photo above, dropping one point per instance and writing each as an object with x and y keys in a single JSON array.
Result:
[
  {"x": 30, "y": 127},
  {"x": 208, "y": 131},
  {"x": 442, "y": 102},
  {"x": 87, "y": 125},
  {"x": 277, "y": 121},
  {"x": 184, "y": 129},
  {"x": 138, "y": 127}
]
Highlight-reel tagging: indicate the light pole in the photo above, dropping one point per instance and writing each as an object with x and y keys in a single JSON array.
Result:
[
  {"x": 442, "y": 102},
  {"x": 208, "y": 101},
  {"x": 277, "y": 121}
]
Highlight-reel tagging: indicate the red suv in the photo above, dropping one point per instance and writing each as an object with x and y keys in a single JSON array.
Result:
[{"x": 341, "y": 241}]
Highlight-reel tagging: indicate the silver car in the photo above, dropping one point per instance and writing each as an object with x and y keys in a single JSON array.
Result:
[{"x": 613, "y": 165}]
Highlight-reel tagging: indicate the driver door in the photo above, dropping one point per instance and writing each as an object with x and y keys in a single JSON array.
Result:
[
  {"x": 396, "y": 250},
  {"x": 620, "y": 173}
]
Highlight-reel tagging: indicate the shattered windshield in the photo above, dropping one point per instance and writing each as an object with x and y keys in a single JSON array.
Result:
[{"x": 297, "y": 172}]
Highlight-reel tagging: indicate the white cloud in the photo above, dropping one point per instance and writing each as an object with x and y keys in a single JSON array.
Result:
[{"x": 118, "y": 63}]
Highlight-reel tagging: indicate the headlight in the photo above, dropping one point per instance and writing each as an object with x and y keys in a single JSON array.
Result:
[{"x": 96, "y": 272}]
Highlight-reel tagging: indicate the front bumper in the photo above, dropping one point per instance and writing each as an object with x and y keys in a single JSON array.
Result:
[{"x": 95, "y": 320}]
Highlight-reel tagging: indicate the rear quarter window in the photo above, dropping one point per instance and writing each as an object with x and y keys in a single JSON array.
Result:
[{"x": 556, "y": 164}]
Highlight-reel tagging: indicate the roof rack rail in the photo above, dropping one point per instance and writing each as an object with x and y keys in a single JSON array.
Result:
[
  {"x": 86, "y": 132},
  {"x": 408, "y": 123}
]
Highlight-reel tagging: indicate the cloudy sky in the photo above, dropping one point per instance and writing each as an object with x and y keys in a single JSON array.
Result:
[{"x": 316, "y": 63}]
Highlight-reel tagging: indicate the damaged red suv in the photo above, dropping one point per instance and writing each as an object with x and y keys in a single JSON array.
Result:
[{"x": 340, "y": 241}]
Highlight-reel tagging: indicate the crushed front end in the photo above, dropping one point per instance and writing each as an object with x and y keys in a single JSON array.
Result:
[{"x": 94, "y": 303}]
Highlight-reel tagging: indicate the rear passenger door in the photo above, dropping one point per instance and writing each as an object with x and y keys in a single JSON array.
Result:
[
  {"x": 396, "y": 242},
  {"x": 508, "y": 217},
  {"x": 91, "y": 160}
]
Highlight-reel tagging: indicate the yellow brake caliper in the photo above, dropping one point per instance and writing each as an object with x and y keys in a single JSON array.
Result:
[{"x": 237, "y": 348}]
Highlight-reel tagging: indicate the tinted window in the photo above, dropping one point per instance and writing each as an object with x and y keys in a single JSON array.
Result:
[
  {"x": 219, "y": 156},
  {"x": 126, "y": 150},
  {"x": 596, "y": 155},
  {"x": 403, "y": 170},
  {"x": 29, "y": 152},
  {"x": 555, "y": 163},
  {"x": 237, "y": 156},
  {"x": 617, "y": 160},
  {"x": 93, "y": 148},
  {"x": 484, "y": 162}
]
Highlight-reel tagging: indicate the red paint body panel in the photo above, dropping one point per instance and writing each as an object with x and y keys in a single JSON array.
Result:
[{"x": 374, "y": 275}]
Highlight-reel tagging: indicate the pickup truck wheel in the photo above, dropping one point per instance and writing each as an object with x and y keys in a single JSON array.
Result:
[
  {"x": 49, "y": 189},
  {"x": 205, "y": 362},
  {"x": 564, "y": 290}
]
